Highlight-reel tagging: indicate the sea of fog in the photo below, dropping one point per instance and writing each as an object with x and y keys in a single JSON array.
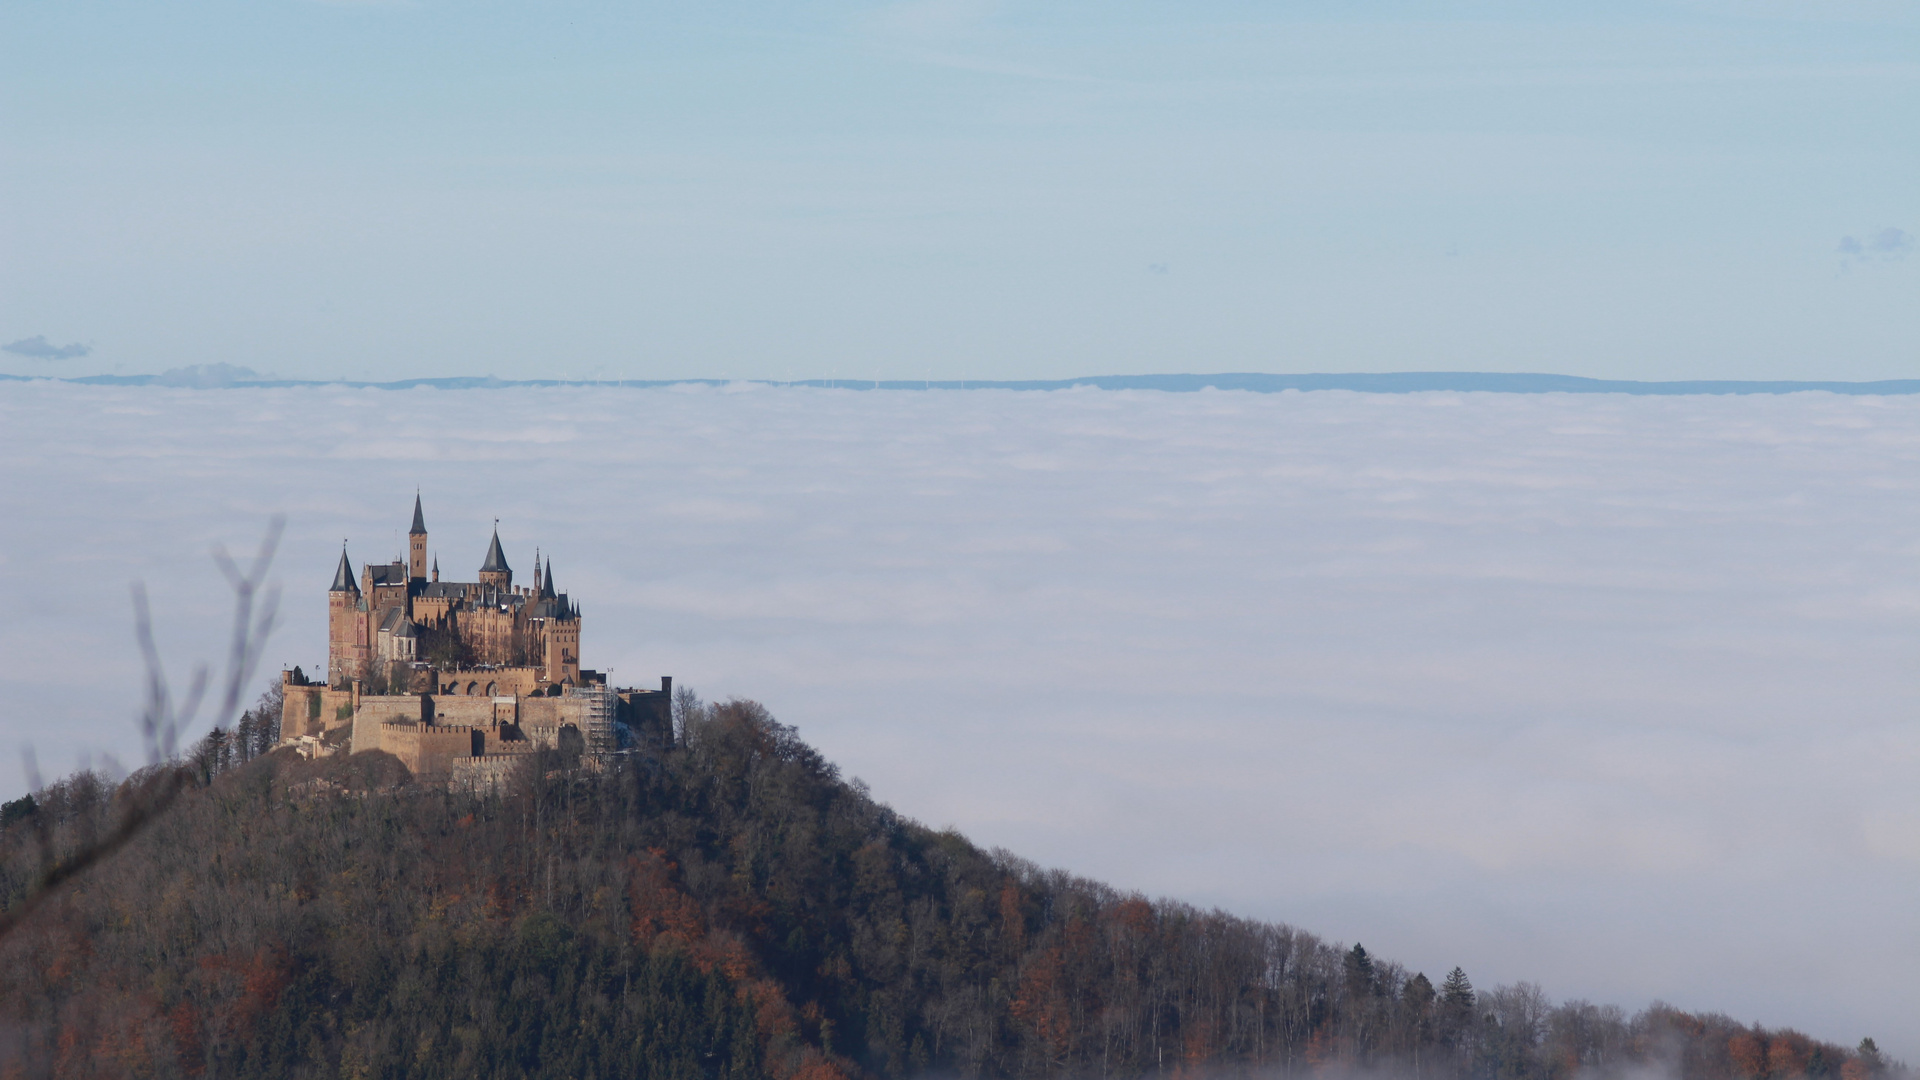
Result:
[{"x": 1618, "y": 694}]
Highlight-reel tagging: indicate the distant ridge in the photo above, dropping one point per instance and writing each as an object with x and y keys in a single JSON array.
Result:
[{"x": 1399, "y": 382}]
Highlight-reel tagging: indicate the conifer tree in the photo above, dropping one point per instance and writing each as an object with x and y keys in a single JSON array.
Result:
[
  {"x": 1418, "y": 991},
  {"x": 1361, "y": 981},
  {"x": 1456, "y": 1010},
  {"x": 1457, "y": 993}
]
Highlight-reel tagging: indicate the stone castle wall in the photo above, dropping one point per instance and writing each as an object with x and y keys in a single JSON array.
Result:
[
  {"x": 430, "y": 733},
  {"x": 428, "y": 750},
  {"x": 520, "y": 681},
  {"x": 488, "y": 772},
  {"x": 311, "y": 710},
  {"x": 361, "y": 720}
]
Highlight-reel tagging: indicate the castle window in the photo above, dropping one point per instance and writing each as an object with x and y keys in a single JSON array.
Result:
[{"x": 471, "y": 687}]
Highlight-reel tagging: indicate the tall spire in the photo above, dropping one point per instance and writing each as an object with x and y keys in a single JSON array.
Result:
[
  {"x": 436, "y": 566},
  {"x": 546, "y": 582},
  {"x": 496, "y": 559},
  {"x": 417, "y": 544},
  {"x": 343, "y": 577}
]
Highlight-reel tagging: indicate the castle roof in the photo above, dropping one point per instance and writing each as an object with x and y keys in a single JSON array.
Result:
[
  {"x": 546, "y": 582},
  {"x": 474, "y": 593},
  {"x": 393, "y": 573},
  {"x": 395, "y": 622},
  {"x": 419, "y": 523},
  {"x": 496, "y": 559},
  {"x": 343, "y": 577},
  {"x": 548, "y": 609}
]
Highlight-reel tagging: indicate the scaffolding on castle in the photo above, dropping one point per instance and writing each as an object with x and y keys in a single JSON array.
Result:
[{"x": 602, "y": 704}]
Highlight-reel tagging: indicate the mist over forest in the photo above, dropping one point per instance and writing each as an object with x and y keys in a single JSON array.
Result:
[{"x": 1608, "y": 694}]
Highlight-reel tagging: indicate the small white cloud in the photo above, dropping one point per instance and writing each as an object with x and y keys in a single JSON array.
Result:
[
  {"x": 1891, "y": 242},
  {"x": 1887, "y": 243},
  {"x": 207, "y": 376},
  {"x": 38, "y": 347}
]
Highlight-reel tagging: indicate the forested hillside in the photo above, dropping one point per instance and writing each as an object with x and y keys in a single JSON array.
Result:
[{"x": 730, "y": 909}]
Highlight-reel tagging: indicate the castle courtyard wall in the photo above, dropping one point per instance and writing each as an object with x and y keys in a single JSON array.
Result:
[
  {"x": 378, "y": 709},
  {"x": 471, "y": 711},
  {"x": 428, "y": 750}
]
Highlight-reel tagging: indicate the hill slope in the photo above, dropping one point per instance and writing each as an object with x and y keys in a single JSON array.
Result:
[{"x": 730, "y": 909}]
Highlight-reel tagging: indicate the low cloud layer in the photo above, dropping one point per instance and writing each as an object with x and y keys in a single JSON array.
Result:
[
  {"x": 1612, "y": 693},
  {"x": 38, "y": 347},
  {"x": 1888, "y": 243},
  {"x": 207, "y": 376}
]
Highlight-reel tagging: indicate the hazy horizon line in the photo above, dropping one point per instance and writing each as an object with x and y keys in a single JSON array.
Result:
[{"x": 223, "y": 376}]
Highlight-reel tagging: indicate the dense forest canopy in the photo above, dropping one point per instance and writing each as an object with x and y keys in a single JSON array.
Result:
[{"x": 727, "y": 909}]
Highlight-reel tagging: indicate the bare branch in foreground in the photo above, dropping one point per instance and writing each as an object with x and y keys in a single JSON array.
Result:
[{"x": 144, "y": 798}]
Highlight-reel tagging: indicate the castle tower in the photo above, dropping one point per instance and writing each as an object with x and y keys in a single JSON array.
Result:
[
  {"x": 561, "y": 662},
  {"x": 495, "y": 571},
  {"x": 417, "y": 544},
  {"x": 346, "y": 626},
  {"x": 560, "y": 656}
]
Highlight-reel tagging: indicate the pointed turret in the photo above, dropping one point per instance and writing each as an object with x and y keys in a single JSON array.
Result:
[
  {"x": 546, "y": 582},
  {"x": 343, "y": 577},
  {"x": 495, "y": 571},
  {"x": 496, "y": 559},
  {"x": 436, "y": 567},
  {"x": 419, "y": 521},
  {"x": 346, "y": 626}
]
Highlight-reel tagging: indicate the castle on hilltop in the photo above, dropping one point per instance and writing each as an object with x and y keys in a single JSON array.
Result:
[
  {"x": 459, "y": 679},
  {"x": 484, "y": 636}
]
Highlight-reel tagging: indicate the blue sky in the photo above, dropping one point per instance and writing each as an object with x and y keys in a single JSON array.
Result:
[{"x": 958, "y": 189}]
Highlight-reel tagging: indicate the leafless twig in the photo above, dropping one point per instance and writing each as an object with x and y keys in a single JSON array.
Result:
[{"x": 146, "y": 797}]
